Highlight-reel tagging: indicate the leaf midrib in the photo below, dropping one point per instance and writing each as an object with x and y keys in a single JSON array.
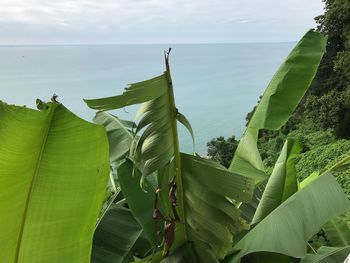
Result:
[
  {"x": 37, "y": 166},
  {"x": 178, "y": 175}
]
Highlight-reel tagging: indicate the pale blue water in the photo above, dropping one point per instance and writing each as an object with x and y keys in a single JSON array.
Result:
[{"x": 215, "y": 84}]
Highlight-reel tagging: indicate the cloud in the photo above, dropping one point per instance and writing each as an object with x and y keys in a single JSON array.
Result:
[{"x": 141, "y": 21}]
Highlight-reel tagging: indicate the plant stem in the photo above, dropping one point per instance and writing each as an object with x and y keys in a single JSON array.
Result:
[
  {"x": 313, "y": 250},
  {"x": 180, "y": 232}
]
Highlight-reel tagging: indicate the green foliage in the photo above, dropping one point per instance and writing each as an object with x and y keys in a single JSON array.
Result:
[
  {"x": 321, "y": 150},
  {"x": 282, "y": 183},
  {"x": 328, "y": 255},
  {"x": 172, "y": 207},
  {"x": 270, "y": 144},
  {"x": 194, "y": 206},
  {"x": 323, "y": 116},
  {"x": 327, "y": 103},
  {"x": 337, "y": 232},
  {"x": 119, "y": 134},
  {"x": 330, "y": 111},
  {"x": 321, "y": 121},
  {"x": 280, "y": 99},
  {"x": 270, "y": 150},
  {"x": 324, "y": 157},
  {"x": 54, "y": 172},
  {"x": 116, "y": 234},
  {"x": 222, "y": 150},
  {"x": 211, "y": 219},
  {"x": 198, "y": 200},
  {"x": 295, "y": 221},
  {"x": 140, "y": 202}
]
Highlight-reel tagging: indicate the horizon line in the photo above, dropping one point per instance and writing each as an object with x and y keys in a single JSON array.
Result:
[{"x": 141, "y": 44}]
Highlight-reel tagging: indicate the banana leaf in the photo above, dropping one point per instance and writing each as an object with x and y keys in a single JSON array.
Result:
[
  {"x": 280, "y": 99},
  {"x": 134, "y": 93},
  {"x": 282, "y": 183},
  {"x": 248, "y": 210},
  {"x": 115, "y": 236},
  {"x": 267, "y": 257},
  {"x": 158, "y": 143},
  {"x": 312, "y": 177},
  {"x": 328, "y": 255},
  {"x": 337, "y": 232},
  {"x": 211, "y": 220},
  {"x": 141, "y": 202},
  {"x": 53, "y": 176},
  {"x": 287, "y": 229},
  {"x": 120, "y": 137}
]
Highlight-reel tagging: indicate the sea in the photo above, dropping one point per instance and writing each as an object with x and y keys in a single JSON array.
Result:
[{"x": 215, "y": 85}]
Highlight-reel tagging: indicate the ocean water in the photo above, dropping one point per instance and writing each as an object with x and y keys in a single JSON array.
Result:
[{"x": 215, "y": 85}]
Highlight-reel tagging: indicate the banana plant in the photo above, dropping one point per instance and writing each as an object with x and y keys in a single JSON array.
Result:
[
  {"x": 278, "y": 102},
  {"x": 53, "y": 175},
  {"x": 193, "y": 196},
  {"x": 287, "y": 229},
  {"x": 199, "y": 201},
  {"x": 173, "y": 207},
  {"x": 287, "y": 238}
]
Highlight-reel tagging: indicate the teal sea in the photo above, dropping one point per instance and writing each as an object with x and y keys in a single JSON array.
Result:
[{"x": 216, "y": 85}]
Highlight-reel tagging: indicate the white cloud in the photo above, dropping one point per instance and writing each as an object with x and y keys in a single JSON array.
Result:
[{"x": 123, "y": 21}]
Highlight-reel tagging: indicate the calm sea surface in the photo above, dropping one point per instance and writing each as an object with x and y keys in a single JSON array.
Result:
[{"x": 215, "y": 84}]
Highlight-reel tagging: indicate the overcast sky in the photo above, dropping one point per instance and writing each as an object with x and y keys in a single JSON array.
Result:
[{"x": 154, "y": 21}]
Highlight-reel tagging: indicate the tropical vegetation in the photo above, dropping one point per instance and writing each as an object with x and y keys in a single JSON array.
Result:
[
  {"x": 321, "y": 119},
  {"x": 121, "y": 190},
  {"x": 191, "y": 209}
]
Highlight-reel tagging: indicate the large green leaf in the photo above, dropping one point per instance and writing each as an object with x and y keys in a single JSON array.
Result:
[
  {"x": 115, "y": 236},
  {"x": 282, "y": 183},
  {"x": 158, "y": 143},
  {"x": 183, "y": 120},
  {"x": 247, "y": 159},
  {"x": 154, "y": 258},
  {"x": 287, "y": 229},
  {"x": 328, "y": 255},
  {"x": 53, "y": 176},
  {"x": 290, "y": 82},
  {"x": 267, "y": 257},
  {"x": 337, "y": 232},
  {"x": 155, "y": 148},
  {"x": 140, "y": 202},
  {"x": 184, "y": 254},
  {"x": 134, "y": 93},
  {"x": 280, "y": 99},
  {"x": 248, "y": 210},
  {"x": 211, "y": 220},
  {"x": 312, "y": 177},
  {"x": 119, "y": 137}
]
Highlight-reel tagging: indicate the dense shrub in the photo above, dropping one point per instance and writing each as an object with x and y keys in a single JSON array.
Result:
[{"x": 222, "y": 150}]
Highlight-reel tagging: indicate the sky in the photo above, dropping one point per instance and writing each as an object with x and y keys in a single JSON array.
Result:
[{"x": 29, "y": 22}]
